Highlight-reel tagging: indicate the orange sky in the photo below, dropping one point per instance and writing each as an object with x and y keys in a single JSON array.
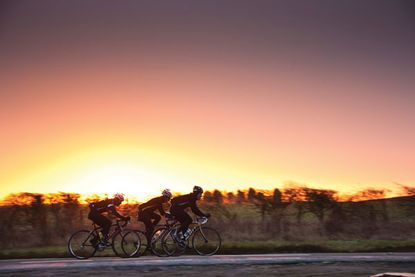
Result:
[{"x": 95, "y": 106}]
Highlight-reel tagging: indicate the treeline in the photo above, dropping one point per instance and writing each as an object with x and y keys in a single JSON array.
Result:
[
  {"x": 302, "y": 213},
  {"x": 298, "y": 193},
  {"x": 33, "y": 219},
  {"x": 296, "y": 213}
]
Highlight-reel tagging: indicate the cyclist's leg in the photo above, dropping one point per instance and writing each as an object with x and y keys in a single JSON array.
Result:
[
  {"x": 185, "y": 225},
  {"x": 146, "y": 219},
  {"x": 103, "y": 222},
  {"x": 184, "y": 219},
  {"x": 156, "y": 219},
  {"x": 106, "y": 226},
  {"x": 94, "y": 216}
]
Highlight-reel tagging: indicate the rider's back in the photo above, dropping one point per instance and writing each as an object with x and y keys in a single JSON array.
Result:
[
  {"x": 103, "y": 205},
  {"x": 183, "y": 201}
]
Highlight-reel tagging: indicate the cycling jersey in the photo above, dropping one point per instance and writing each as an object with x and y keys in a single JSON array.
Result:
[
  {"x": 185, "y": 201},
  {"x": 152, "y": 205},
  {"x": 107, "y": 205}
]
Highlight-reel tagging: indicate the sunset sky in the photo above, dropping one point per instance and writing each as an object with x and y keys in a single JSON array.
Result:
[{"x": 135, "y": 96}]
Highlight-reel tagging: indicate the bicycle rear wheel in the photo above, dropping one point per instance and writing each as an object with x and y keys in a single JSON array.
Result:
[
  {"x": 156, "y": 245},
  {"x": 206, "y": 241},
  {"x": 80, "y": 245}
]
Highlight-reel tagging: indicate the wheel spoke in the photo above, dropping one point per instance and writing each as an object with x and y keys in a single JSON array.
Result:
[
  {"x": 169, "y": 244},
  {"x": 157, "y": 242},
  {"x": 206, "y": 241},
  {"x": 131, "y": 244},
  {"x": 82, "y": 244}
]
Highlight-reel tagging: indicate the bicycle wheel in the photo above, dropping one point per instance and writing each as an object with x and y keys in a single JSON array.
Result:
[
  {"x": 144, "y": 244},
  {"x": 170, "y": 244},
  {"x": 131, "y": 243},
  {"x": 156, "y": 245},
  {"x": 206, "y": 241},
  {"x": 80, "y": 245},
  {"x": 117, "y": 247}
]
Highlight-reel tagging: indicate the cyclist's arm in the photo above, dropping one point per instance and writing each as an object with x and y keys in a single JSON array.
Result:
[
  {"x": 115, "y": 212},
  {"x": 153, "y": 203},
  {"x": 196, "y": 210}
]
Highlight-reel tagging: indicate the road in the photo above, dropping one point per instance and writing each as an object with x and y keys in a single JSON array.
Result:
[{"x": 313, "y": 264}]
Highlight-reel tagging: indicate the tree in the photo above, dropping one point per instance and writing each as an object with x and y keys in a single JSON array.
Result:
[
  {"x": 276, "y": 197},
  {"x": 207, "y": 196},
  {"x": 240, "y": 196},
  {"x": 230, "y": 196},
  {"x": 368, "y": 194},
  {"x": 251, "y": 194},
  {"x": 263, "y": 204},
  {"x": 319, "y": 201},
  {"x": 217, "y": 196},
  {"x": 294, "y": 194},
  {"x": 410, "y": 191}
]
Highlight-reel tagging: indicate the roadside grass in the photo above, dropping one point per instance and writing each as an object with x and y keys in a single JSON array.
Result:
[
  {"x": 244, "y": 247},
  {"x": 348, "y": 246}
]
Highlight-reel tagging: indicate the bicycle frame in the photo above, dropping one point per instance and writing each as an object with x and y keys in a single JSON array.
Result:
[
  {"x": 198, "y": 224},
  {"x": 118, "y": 228},
  {"x": 176, "y": 224}
]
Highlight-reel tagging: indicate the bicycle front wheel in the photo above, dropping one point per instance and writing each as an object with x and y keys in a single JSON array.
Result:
[
  {"x": 80, "y": 245},
  {"x": 156, "y": 244},
  {"x": 125, "y": 249},
  {"x": 206, "y": 241},
  {"x": 131, "y": 243}
]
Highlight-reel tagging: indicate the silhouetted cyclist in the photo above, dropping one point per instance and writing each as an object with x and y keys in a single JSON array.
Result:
[
  {"x": 107, "y": 205},
  {"x": 178, "y": 206},
  {"x": 146, "y": 211}
]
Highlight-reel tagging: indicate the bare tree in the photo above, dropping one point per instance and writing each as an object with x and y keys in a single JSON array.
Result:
[
  {"x": 251, "y": 194},
  {"x": 217, "y": 197},
  {"x": 240, "y": 196}
]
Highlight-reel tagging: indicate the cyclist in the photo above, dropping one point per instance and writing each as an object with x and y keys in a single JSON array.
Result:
[
  {"x": 107, "y": 205},
  {"x": 178, "y": 206},
  {"x": 146, "y": 211}
]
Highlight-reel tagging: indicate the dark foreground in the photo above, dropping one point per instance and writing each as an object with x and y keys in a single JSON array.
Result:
[{"x": 222, "y": 265}]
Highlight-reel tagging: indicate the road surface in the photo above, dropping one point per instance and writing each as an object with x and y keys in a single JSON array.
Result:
[{"x": 360, "y": 264}]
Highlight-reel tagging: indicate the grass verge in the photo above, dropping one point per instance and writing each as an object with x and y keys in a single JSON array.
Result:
[{"x": 245, "y": 247}]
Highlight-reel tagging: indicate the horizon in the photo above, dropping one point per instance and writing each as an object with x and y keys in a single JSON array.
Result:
[
  {"x": 101, "y": 98},
  {"x": 368, "y": 193}
]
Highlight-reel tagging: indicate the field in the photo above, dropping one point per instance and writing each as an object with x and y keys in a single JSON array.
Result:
[{"x": 40, "y": 228}]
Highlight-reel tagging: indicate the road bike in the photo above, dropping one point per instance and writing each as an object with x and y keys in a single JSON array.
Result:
[
  {"x": 203, "y": 240},
  {"x": 83, "y": 244},
  {"x": 154, "y": 245}
]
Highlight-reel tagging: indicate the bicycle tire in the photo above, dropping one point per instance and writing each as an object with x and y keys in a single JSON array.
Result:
[
  {"x": 206, "y": 241},
  {"x": 87, "y": 249},
  {"x": 170, "y": 244},
  {"x": 131, "y": 243},
  {"x": 117, "y": 244},
  {"x": 156, "y": 245}
]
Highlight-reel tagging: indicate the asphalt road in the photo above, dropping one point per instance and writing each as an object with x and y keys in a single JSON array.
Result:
[{"x": 306, "y": 264}]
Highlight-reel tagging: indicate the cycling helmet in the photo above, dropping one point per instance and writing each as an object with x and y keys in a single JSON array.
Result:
[
  {"x": 197, "y": 189},
  {"x": 166, "y": 193},
  {"x": 119, "y": 196}
]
